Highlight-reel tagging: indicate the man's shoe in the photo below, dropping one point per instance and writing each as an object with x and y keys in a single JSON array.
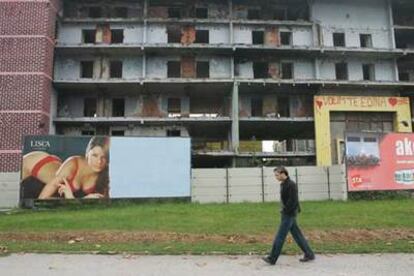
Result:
[
  {"x": 268, "y": 260},
  {"x": 307, "y": 258}
]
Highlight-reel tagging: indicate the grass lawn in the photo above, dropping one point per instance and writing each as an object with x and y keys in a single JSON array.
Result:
[{"x": 185, "y": 228}]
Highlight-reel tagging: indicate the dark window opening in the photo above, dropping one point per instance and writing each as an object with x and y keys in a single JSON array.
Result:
[
  {"x": 89, "y": 107},
  {"x": 174, "y": 34},
  {"x": 202, "y": 36},
  {"x": 117, "y": 36},
  {"x": 88, "y": 132},
  {"x": 174, "y": 105},
  {"x": 201, "y": 13},
  {"x": 283, "y": 106},
  {"x": 95, "y": 12},
  {"x": 120, "y": 12},
  {"x": 339, "y": 39},
  {"x": 87, "y": 69},
  {"x": 257, "y": 107},
  {"x": 404, "y": 76},
  {"x": 287, "y": 70},
  {"x": 115, "y": 69},
  {"x": 174, "y": 13},
  {"x": 258, "y": 37},
  {"x": 280, "y": 14},
  {"x": 368, "y": 72},
  {"x": 366, "y": 40},
  {"x": 118, "y": 107},
  {"x": 260, "y": 70},
  {"x": 173, "y": 132},
  {"x": 203, "y": 69},
  {"x": 118, "y": 132},
  {"x": 174, "y": 69},
  {"x": 253, "y": 14},
  {"x": 341, "y": 71},
  {"x": 286, "y": 38},
  {"x": 88, "y": 36}
]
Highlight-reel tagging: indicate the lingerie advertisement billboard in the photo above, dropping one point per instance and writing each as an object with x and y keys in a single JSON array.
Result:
[{"x": 87, "y": 167}]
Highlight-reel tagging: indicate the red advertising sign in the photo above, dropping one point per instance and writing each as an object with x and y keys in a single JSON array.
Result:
[{"x": 380, "y": 161}]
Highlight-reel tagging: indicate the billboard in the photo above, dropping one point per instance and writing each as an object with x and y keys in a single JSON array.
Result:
[
  {"x": 105, "y": 167},
  {"x": 380, "y": 161}
]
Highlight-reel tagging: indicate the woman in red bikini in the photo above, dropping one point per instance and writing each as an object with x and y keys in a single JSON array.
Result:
[{"x": 82, "y": 176}]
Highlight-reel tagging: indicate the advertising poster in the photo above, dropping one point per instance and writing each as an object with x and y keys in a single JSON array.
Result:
[
  {"x": 380, "y": 161},
  {"x": 61, "y": 167}
]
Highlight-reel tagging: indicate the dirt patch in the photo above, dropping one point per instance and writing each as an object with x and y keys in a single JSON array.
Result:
[{"x": 346, "y": 236}]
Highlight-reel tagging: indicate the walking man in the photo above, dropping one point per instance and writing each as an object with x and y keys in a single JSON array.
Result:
[{"x": 290, "y": 208}]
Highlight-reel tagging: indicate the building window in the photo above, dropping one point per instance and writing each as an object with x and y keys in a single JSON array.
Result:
[
  {"x": 174, "y": 105},
  {"x": 88, "y": 36},
  {"x": 257, "y": 107},
  {"x": 253, "y": 14},
  {"x": 202, "y": 36},
  {"x": 404, "y": 76},
  {"x": 89, "y": 107},
  {"x": 368, "y": 72},
  {"x": 120, "y": 12},
  {"x": 174, "y": 34},
  {"x": 118, "y": 107},
  {"x": 203, "y": 69},
  {"x": 88, "y": 132},
  {"x": 280, "y": 14},
  {"x": 260, "y": 70},
  {"x": 339, "y": 39},
  {"x": 341, "y": 71},
  {"x": 86, "y": 69},
  {"x": 174, "y": 13},
  {"x": 173, "y": 132},
  {"x": 286, "y": 38},
  {"x": 366, "y": 40},
  {"x": 287, "y": 70},
  {"x": 95, "y": 12},
  {"x": 117, "y": 36},
  {"x": 283, "y": 106},
  {"x": 174, "y": 69},
  {"x": 201, "y": 13},
  {"x": 115, "y": 69},
  {"x": 118, "y": 133},
  {"x": 257, "y": 37}
]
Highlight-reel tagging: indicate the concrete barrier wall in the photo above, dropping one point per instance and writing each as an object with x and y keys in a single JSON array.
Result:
[{"x": 9, "y": 190}]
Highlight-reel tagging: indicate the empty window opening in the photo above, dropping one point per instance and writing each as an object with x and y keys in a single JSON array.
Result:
[
  {"x": 201, "y": 13},
  {"x": 174, "y": 34},
  {"x": 95, "y": 12},
  {"x": 117, "y": 36},
  {"x": 174, "y": 69},
  {"x": 283, "y": 106},
  {"x": 341, "y": 71},
  {"x": 404, "y": 76},
  {"x": 203, "y": 69},
  {"x": 280, "y": 14},
  {"x": 287, "y": 70},
  {"x": 258, "y": 37},
  {"x": 120, "y": 12},
  {"x": 339, "y": 39},
  {"x": 118, "y": 107},
  {"x": 202, "y": 36},
  {"x": 174, "y": 13},
  {"x": 286, "y": 38},
  {"x": 368, "y": 72},
  {"x": 173, "y": 132},
  {"x": 174, "y": 106},
  {"x": 115, "y": 70},
  {"x": 88, "y": 36},
  {"x": 89, "y": 107},
  {"x": 118, "y": 132},
  {"x": 88, "y": 132},
  {"x": 86, "y": 69},
  {"x": 260, "y": 70},
  {"x": 366, "y": 40},
  {"x": 253, "y": 14},
  {"x": 257, "y": 107}
]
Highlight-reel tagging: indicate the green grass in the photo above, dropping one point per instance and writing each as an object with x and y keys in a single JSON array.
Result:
[{"x": 222, "y": 219}]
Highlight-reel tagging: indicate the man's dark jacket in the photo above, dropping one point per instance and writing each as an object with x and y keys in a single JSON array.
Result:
[{"x": 289, "y": 197}]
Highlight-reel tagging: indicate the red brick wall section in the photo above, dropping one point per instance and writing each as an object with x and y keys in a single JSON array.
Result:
[{"x": 27, "y": 30}]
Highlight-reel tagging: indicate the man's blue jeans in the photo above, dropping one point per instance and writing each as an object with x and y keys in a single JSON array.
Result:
[{"x": 288, "y": 223}]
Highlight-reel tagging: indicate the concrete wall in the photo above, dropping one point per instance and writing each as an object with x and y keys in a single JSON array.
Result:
[
  {"x": 257, "y": 185},
  {"x": 9, "y": 190}
]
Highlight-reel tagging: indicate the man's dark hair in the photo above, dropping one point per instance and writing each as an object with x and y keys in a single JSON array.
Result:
[{"x": 281, "y": 169}]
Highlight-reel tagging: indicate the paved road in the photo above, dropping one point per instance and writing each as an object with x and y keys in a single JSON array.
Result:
[{"x": 62, "y": 265}]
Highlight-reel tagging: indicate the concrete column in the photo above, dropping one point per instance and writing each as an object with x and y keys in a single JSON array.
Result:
[
  {"x": 391, "y": 22},
  {"x": 231, "y": 21},
  {"x": 235, "y": 118}
]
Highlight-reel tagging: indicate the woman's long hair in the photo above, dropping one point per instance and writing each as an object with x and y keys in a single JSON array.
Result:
[{"x": 102, "y": 183}]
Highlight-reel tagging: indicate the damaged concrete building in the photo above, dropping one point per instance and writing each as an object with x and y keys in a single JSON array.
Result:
[{"x": 234, "y": 75}]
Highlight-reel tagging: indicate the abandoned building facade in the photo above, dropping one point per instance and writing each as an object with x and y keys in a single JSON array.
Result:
[{"x": 231, "y": 74}]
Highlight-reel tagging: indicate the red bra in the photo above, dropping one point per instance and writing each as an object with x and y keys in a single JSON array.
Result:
[
  {"x": 70, "y": 181},
  {"x": 42, "y": 162}
]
